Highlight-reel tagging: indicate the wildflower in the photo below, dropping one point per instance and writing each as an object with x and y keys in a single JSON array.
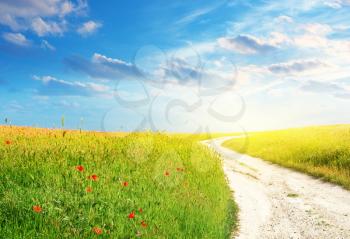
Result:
[
  {"x": 97, "y": 230},
  {"x": 8, "y": 142},
  {"x": 93, "y": 177},
  {"x": 132, "y": 215},
  {"x": 125, "y": 184},
  {"x": 37, "y": 209},
  {"x": 143, "y": 224},
  {"x": 140, "y": 210},
  {"x": 80, "y": 168},
  {"x": 166, "y": 173},
  {"x": 179, "y": 169},
  {"x": 89, "y": 189}
]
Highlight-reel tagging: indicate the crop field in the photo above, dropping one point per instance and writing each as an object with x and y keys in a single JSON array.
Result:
[
  {"x": 322, "y": 151},
  {"x": 72, "y": 184}
]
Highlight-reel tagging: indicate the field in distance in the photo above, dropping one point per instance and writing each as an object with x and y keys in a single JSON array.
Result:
[
  {"x": 322, "y": 151},
  {"x": 71, "y": 184}
]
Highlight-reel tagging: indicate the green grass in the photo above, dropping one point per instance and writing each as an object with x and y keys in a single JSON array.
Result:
[
  {"x": 178, "y": 184},
  {"x": 322, "y": 151}
]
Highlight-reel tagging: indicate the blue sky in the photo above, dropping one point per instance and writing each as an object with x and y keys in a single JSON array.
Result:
[{"x": 179, "y": 66}]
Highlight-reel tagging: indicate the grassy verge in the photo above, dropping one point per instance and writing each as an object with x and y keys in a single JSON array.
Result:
[
  {"x": 322, "y": 151},
  {"x": 56, "y": 184}
]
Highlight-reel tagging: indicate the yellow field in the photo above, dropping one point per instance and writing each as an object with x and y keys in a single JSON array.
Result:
[{"x": 322, "y": 151}]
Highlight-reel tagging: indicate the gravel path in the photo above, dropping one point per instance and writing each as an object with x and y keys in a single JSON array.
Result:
[{"x": 276, "y": 202}]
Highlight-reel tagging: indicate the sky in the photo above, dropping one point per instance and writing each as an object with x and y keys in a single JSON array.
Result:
[{"x": 185, "y": 66}]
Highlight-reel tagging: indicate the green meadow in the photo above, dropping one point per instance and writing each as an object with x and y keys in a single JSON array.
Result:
[
  {"x": 323, "y": 151},
  {"x": 71, "y": 184}
]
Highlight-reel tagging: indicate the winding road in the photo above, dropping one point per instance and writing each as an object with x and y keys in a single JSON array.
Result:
[{"x": 276, "y": 202}]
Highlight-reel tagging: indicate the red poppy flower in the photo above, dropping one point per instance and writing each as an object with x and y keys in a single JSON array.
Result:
[
  {"x": 97, "y": 230},
  {"x": 37, "y": 209},
  {"x": 132, "y": 215},
  {"x": 125, "y": 184},
  {"x": 166, "y": 173},
  {"x": 80, "y": 168},
  {"x": 140, "y": 210},
  {"x": 8, "y": 142},
  {"x": 93, "y": 177},
  {"x": 143, "y": 224},
  {"x": 179, "y": 169},
  {"x": 89, "y": 189}
]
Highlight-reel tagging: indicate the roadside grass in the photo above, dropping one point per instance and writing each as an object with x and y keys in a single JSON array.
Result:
[
  {"x": 71, "y": 184},
  {"x": 322, "y": 151}
]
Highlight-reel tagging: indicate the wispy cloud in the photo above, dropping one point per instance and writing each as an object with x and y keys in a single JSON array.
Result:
[
  {"x": 284, "y": 19},
  {"x": 89, "y": 28},
  {"x": 296, "y": 66},
  {"x": 175, "y": 71},
  {"x": 317, "y": 28},
  {"x": 103, "y": 67},
  {"x": 40, "y": 17},
  {"x": 180, "y": 71},
  {"x": 194, "y": 15},
  {"x": 326, "y": 88},
  {"x": 55, "y": 87},
  {"x": 16, "y": 38},
  {"x": 336, "y": 3},
  {"x": 246, "y": 44},
  {"x": 43, "y": 28},
  {"x": 46, "y": 45},
  {"x": 197, "y": 13}
]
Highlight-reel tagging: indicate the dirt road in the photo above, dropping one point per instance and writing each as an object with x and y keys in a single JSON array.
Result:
[{"x": 276, "y": 202}]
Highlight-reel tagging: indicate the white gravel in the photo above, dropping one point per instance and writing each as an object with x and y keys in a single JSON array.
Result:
[{"x": 276, "y": 202}]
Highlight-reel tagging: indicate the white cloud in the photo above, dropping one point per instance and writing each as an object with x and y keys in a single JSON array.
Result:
[
  {"x": 20, "y": 9},
  {"x": 53, "y": 86},
  {"x": 330, "y": 48},
  {"x": 10, "y": 21},
  {"x": 294, "y": 67},
  {"x": 44, "y": 79},
  {"x": 89, "y": 28},
  {"x": 194, "y": 15},
  {"x": 42, "y": 28},
  {"x": 317, "y": 29},
  {"x": 248, "y": 44},
  {"x": 310, "y": 41},
  {"x": 313, "y": 36},
  {"x": 326, "y": 87},
  {"x": 336, "y": 3},
  {"x": 46, "y": 45},
  {"x": 66, "y": 8},
  {"x": 278, "y": 39},
  {"x": 284, "y": 19},
  {"x": 333, "y": 3},
  {"x": 121, "y": 67},
  {"x": 16, "y": 38},
  {"x": 103, "y": 67},
  {"x": 41, "y": 17}
]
